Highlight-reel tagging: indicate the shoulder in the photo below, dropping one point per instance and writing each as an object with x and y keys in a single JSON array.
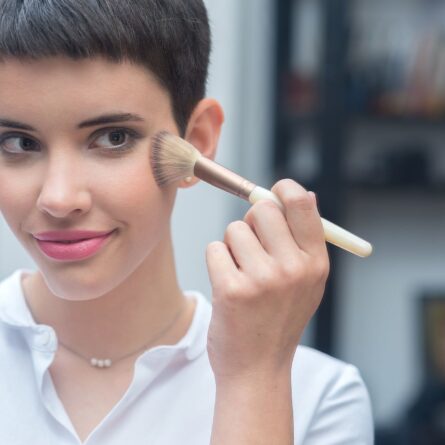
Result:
[{"x": 331, "y": 399}]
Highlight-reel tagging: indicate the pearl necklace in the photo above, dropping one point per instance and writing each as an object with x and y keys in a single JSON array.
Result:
[{"x": 107, "y": 362}]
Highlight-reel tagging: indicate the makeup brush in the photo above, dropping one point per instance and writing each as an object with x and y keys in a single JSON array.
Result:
[{"x": 173, "y": 158}]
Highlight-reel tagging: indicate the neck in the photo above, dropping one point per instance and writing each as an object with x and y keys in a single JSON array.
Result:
[{"x": 123, "y": 320}]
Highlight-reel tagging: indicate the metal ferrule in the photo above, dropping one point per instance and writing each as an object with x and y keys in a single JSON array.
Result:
[{"x": 223, "y": 178}]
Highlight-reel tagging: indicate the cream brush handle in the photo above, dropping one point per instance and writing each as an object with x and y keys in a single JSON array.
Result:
[
  {"x": 333, "y": 234},
  {"x": 227, "y": 180}
]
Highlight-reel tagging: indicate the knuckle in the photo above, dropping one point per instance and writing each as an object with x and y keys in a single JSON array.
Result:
[
  {"x": 293, "y": 194},
  {"x": 291, "y": 270},
  {"x": 215, "y": 252},
  {"x": 234, "y": 227},
  {"x": 213, "y": 247},
  {"x": 264, "y": 205},
  {"x": 286, "y": 183},
  {"x": 327, "y": 270},
  {"x": 241, "y": 292},
  {"x": 255, "y": 285},
  {"x": 232, "y": 289},
  {"x": 321, "y": 269},
  {"x": 274, "y": 277},
  {"x": 257, "y": 209},
  {"x": 300, "y": 200},
  {"x": 288, "y": 186}
]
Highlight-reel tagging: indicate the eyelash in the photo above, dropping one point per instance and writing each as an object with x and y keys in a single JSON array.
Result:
[{"x": 134, "y": 136}]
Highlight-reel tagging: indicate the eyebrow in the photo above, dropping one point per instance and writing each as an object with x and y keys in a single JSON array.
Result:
[{"x": 99, "y": 120}]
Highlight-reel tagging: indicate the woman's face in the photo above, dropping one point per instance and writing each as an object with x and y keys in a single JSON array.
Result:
[{"x": 60, "y": 172}]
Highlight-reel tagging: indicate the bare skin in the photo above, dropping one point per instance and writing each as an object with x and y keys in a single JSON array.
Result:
[
  {"x": 87, "y": 393},
  {"x": 70, "y": 181},
  {"x": 267, "y": 275},
  {"x": 266, "y": 298}
]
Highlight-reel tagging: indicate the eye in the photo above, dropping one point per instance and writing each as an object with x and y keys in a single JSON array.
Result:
[
  {"x": 117, "y": 139},
  {"x": 15, "y": 144},
  {"x": 112, "y": 140}
]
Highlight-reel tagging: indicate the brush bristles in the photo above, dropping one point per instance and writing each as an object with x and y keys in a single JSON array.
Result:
[{"x": 172, "y": 158}]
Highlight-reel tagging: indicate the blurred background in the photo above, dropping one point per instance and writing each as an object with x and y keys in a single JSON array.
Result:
[{"x": 346, "y": 97}]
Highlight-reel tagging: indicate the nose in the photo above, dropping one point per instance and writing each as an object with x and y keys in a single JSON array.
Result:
[{"x": 63, "y": 191}]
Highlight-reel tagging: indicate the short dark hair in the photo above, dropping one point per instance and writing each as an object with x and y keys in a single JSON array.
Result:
[{"x": 169, "y": 37}]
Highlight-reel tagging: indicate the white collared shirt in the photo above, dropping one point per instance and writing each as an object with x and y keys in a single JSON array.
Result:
[{"x": 170, "y": 400}]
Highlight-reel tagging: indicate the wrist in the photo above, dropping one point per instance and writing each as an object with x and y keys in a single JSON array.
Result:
[
  {"x": 260, "y": 373},
  {"x": 252, "y": 379},
  {"x": 254, "y": 408}
]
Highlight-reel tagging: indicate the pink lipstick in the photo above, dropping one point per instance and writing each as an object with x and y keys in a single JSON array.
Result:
[{"x": 71, "y": 245}]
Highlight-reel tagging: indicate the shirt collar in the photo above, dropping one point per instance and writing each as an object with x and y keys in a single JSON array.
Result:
[
  {"x": 13, "y": 308},
  {"x": 15, "y": 312}
]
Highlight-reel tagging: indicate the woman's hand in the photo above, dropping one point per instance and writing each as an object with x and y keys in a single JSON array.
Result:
[{"x": 268, "y": 278}]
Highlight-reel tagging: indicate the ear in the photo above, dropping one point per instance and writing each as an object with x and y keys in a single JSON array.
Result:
[{"x": 203, "y": 130}]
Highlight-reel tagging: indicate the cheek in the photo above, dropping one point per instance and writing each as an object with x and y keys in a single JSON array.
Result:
[
  {"x": 136, "y": 197},
  {"x": 15, "y": 198}
]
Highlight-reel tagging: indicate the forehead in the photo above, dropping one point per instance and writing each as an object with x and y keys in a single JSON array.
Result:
[{"x": 48, "y": 86}]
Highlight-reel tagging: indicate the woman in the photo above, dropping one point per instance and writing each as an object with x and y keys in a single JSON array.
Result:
[{"x": 100, "y": 345}]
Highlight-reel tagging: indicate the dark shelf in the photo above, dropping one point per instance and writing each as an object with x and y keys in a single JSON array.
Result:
[
  {"x": 369, "y": 187},
  {"x": 313, "y": 119},
  {"x": 340, "y": 104},
  {"x": 405, "y": 121},
  {"x": 372, "y": 187},
  {"x": 302, "y": 119}
]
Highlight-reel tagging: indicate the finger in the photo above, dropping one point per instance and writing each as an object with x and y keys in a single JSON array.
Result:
[
  {"x": 220, "y": 264},
  {"x": 302, "y": 215},
  {"x": 314, "y": 198},
  {"x": 272, "y": 229},
  {"x": 246, "y": 248}
]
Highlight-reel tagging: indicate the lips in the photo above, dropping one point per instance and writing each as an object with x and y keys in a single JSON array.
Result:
[
  {"x": 69, "y": 235},
  {"x": 59, "y": 246}
]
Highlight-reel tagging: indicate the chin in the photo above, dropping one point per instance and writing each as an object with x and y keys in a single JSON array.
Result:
[{"x": 83, "y": 286}]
